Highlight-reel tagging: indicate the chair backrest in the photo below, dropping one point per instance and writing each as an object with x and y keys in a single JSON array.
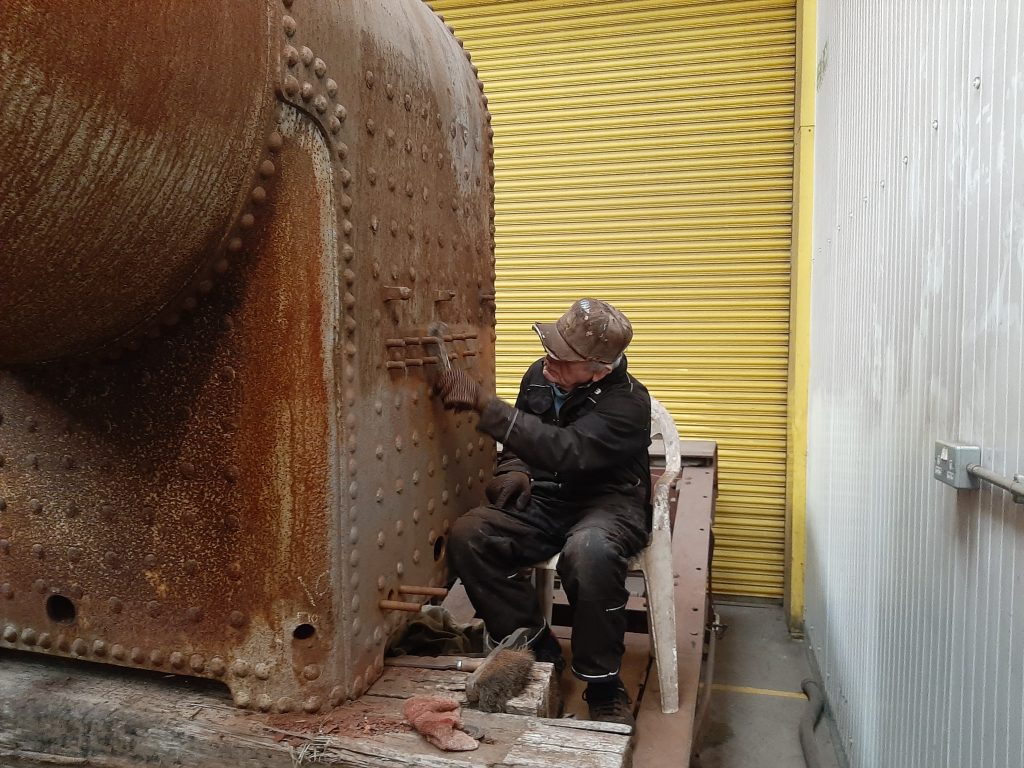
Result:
[{"x": 664, "y": 428}]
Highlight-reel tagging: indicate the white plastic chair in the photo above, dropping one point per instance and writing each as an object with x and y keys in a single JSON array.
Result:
[{"x": 654, "y": 562}]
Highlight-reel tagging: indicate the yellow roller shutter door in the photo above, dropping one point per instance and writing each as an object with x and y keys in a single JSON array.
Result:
[{"x": 644, "y": 155}]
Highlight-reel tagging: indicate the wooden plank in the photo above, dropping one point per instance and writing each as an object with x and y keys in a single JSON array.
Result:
[
  {"x": 62, "y": 713},
  {"x": 667, "y": 740},
  {"x": 540, "y": 697}
]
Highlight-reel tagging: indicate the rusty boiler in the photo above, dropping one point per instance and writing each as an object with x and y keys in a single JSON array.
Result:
[{"x": 230, "y": 232}]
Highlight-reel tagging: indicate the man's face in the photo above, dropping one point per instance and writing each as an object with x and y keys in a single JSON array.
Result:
[{"x": 569, "y": 375}]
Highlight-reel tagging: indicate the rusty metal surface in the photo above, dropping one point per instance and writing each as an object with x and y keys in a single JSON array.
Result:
[
  {"x": 129, "y": 136},
  {"x": 236, "y": 499}
]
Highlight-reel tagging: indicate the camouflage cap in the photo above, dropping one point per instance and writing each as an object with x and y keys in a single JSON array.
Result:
[{"x": 591, "y": 330}]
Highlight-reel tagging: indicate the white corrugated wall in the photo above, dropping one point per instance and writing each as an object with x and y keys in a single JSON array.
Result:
[
  {"x": 915, "y": 593},
  {"x": 644, "y": 155}
]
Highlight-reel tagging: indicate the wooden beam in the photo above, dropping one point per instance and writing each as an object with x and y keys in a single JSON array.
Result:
[
  {"x": 667, "y": 740},
  {"x": 64, "y": 713}
]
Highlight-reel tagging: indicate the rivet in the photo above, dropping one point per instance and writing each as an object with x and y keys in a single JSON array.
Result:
[
  {"x": 407, "y": 100},
  {"x": 380, "y": 495},
  {"x": 197, "y": 662},
  {"x": 267, "y": 169},
  {"x": 346, "y": 177},
  {"x": 28, "y": 636},
  {"x": 10, "y": 634},
  {"x": 399, "y": 568},
  {"x": 259, "y": 195},
  {"x": 79, "y": 647},
  {"x": 236, "y": 619},
  {"x": 353, "y": 558},
  {"x": 312, "y": 705},
  {"x": 444, "y": 497},
  {"x": 976, "y": 83},
  {"x": 149, "y": 560},
  {"x": 45, "y": 641},
  {"x": 353, "y": 490},
  {"x": 399, "y": 527},
  {"x": 35, "y": 506},
  {"x": 289, "y": 26},
  {"x": 371, "y": 126},
  {"x": 342, "y": 150},
  {"x": 263, "y": 703},
  {"x": 416, "y": 556},
  {"x": 117, "y": 651},
  {"x": 39, "y": 551},
  {"x": 346, "y": 227},
  {"x": 291, "y": 56},
  {"x": 340, "y": 112},
  {"x": 336, "y": 696},
  {"x": 307, "y": 91},
  {"x": 275, "y": 141},
  {"x": 240, "y": 668},
  {"x": 369, "y": 79},
  {"x": 311, "y": 671},
  {"x": 235, "y": 244},
  {"x": 320, "y": 105},
  {"x": 153, "y": 608},
  {"x": 291, "y": 85},
  {"x": 334, "y": 124},
  {"x": 99, "y": 648},
  {"x": 306, "y": 54},
  {"x": 381, "y": 539},
  {"x": 389, "y": 90},
  {"x": 332, "y": 87},
  {"x": 353, "y": 534},
  {"x": 217, "y": 666},
  {"x": 262, "y": 671},
  {"x": 6, "y": 591},
  {"x": 115, "y": 605}
]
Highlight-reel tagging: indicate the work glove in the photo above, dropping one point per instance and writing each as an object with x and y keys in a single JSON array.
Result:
[
  {"x": 509, "y": 487},
  {"x": 460, "y": 392}
]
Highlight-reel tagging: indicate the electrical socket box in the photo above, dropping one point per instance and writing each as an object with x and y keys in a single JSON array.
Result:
[{"x": 951, "y": 461}]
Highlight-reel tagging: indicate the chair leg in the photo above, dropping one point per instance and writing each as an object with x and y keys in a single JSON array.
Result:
[
  {"x": 657, "y": 569},
  {"x": 544, "y": 583}
]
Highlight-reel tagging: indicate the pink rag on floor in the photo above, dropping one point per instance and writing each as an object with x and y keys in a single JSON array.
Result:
[{"x": 439, "y": 720}]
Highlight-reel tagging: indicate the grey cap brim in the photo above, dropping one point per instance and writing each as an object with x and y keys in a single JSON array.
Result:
[{"x": 554, "y": 344}]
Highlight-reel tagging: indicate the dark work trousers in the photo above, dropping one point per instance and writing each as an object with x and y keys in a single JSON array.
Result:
[{"x": 488, "y": 548}]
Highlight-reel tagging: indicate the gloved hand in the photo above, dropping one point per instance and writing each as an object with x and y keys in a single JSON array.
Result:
[
  {"x": 509, "y": 487},
  {"x": 460, "y": 392}
]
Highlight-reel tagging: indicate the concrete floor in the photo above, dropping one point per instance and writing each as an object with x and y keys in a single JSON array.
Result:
[{"x": 757, "y": 702}]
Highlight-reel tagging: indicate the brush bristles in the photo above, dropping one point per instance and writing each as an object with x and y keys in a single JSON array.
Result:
[{"x": 500, "y": 678}]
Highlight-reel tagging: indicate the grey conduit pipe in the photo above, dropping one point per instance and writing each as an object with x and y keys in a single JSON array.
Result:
[{"x": 815, "y": 704}]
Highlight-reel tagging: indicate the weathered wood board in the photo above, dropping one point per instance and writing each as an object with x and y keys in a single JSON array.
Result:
[{"x": 60, "y": 713}]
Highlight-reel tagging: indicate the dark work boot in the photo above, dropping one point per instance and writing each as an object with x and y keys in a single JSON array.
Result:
[
  {"x": 609, "y": 703},
  {"x": 546, "y": 648}
]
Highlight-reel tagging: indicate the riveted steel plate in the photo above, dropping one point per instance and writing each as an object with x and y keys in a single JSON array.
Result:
[{"x": 235, "y": 498}]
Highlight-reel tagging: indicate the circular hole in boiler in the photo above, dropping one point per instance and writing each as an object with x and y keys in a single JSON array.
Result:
[
  {"x": 60, "y": 609},
  {"x": 303, "y": 631},
  {"x": 438, "y": 548}
]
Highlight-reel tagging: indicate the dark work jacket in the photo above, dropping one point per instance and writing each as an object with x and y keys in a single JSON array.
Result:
[{"x": 597, "y": 444}]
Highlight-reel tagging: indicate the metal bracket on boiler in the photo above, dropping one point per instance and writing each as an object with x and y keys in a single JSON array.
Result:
[{"x": 419, "y": 349}]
